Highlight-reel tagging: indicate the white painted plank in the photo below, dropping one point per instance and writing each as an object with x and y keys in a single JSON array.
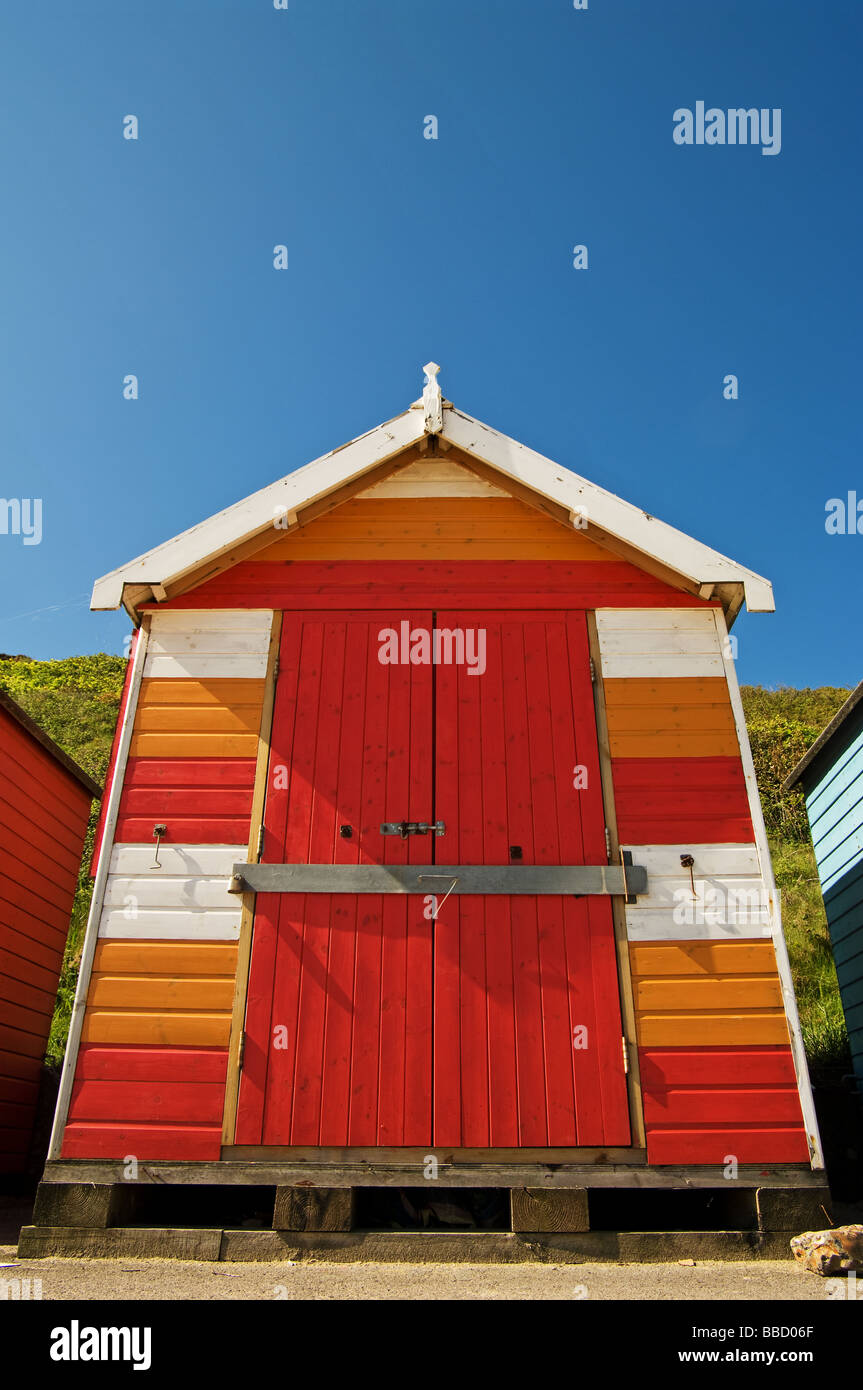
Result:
[
  {"x": 208, "y": 643},
  {"x": 609, "y": 620},
  {"x": 663, "y": 861},
  {"x": 643, "y": 667},
  {"x": 209, "y": 861},
  {"x": 651, "y": 926},
  {"x": 670, "y": 642},
  {"x": 197, "y": 666},
  {"x": 150, "y": 925},
  {"x": 439, "y": 478},
  {"x": 188, "y": 894},
  {"x": 211, "y": 620},
  {"x": 727, "y": 899}
]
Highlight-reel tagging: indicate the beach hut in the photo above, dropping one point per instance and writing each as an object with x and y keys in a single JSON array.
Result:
[
  {"x": 45, "y": 801},
  {"x": 433, "y": 853},
  {"x": 831, "y": 778}
]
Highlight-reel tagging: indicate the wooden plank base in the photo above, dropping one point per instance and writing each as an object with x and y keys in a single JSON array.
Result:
[{"x": 412, "y": 1247}]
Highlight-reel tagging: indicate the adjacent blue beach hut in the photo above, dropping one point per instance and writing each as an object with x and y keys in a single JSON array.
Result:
[{"x": 831, "y": 776}]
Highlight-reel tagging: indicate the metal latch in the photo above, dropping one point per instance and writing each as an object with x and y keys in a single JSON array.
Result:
[{"x": 412, "y": 827}]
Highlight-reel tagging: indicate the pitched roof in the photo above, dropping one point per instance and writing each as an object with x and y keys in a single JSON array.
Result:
[
  {"x": 611, "y": 521},
  {"x": 827, "y": 735}
]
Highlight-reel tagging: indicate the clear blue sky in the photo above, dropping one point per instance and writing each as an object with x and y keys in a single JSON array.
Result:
[{"x": 305, "y": 127}]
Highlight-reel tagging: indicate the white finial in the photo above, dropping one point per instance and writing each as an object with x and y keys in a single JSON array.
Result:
[{"x": 432, "y": 400}]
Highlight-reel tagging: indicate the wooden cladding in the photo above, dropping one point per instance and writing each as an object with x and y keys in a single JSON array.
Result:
[
  {"x": 701, "y": 994},
  {"x": 161, "y": 993},
  {"x": 216, "y": 718},
  {"x": 435, "y": 528},
  {"x": 676, "y": 717}
]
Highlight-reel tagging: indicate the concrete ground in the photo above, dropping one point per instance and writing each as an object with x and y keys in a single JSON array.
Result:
[{"x": 138, "y": 1279}]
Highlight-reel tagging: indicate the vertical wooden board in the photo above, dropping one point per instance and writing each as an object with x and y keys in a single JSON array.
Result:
[
  {"x": 309, "y": 1057},
  {"x": 552, "y": 754},
  {"x": 447, "y": 1102},
  {"x": 394, "y": 911},
  {"x": 471, "y": 1027},
  {"x": 365, "y": 1035},
  {"x": 496, "y": 916},
  {"x": 341, "y": 1003},
  {"x": 420, "y": 930},
  {"x": 533, "y": 1129}
]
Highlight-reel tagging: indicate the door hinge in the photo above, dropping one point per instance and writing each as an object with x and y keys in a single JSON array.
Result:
[
  {"x": 242, "y": 1052},
  {"x": 625, "y": 1047},
  {"x": 276, "y": 669},
  {"x": 608, "y": 844},
  {"x": 593, "y": 671},
  {"x": 260, "y": 849}
]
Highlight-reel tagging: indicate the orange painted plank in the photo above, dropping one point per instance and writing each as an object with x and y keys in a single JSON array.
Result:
[
  {"x": 180, "y": 1029},
  {"x": 689, "y": 692},
  {"x": 436, "y": 528},
  {"x": 702, "y": 957},
  {"x": 165, "y": 958},
  {"x": 713, "y": 1028},
  {"x": 662, "y": 743},
  {"x": 160, "y": 992},
  {"x": 194, "y": 745},
  {"x": 709, "y": 992},
  {"x": 201, "y": 719},
  {"x": 224, "y": 691}
]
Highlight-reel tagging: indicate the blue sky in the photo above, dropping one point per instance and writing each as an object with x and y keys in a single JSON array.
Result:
[{"x": 305, "y": 127}]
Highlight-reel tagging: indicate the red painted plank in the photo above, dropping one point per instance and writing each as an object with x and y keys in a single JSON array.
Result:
[
  {"x": 662, "y": 1067},
  {"x": 190, "y": 1143},
  {"x": 447, "y": 1108},
  {"x": 711, "y": 1104},
  {"x": 121, "y": 1062},
  {"x": 758, "y": 1144},
  {"x": 147, "y": 1102},
  {"x": 670, "y": 801},
  {"x": 17, "y": 967},
  {"x": 14, "y": 1064},
  {"x": 202, "y": 801},
  {"x": 511, "y": 584}
]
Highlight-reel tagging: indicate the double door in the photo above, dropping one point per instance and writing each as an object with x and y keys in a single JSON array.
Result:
[{"x": 461, "y": 1020}]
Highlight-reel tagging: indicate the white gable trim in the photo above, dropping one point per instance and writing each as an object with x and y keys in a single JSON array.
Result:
[
  {"x": 169, "y": 563},
  {"x": 655, "y": 539}
]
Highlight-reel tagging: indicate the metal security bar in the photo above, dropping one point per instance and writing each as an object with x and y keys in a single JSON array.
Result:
[{"x": 577, "y": 880}]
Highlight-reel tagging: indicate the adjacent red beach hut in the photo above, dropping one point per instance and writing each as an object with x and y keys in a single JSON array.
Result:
[{"x": 45, "y": 803}]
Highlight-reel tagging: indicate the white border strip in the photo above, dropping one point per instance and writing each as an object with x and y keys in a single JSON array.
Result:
[
  {"x": 804, "y": 1086},
  {"x": 91, "y": 934}
]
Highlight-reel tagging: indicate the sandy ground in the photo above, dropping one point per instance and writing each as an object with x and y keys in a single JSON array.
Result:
[{"x": 182, "y": 1279}]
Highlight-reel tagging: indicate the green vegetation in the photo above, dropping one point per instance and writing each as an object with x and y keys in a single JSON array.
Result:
[{"x": 76, "y": 702}]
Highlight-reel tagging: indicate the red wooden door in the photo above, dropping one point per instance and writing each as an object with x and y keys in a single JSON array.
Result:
[
  {"x": 527, "y": 1029},
  {"x": 367, "y": 1024},
  {"x": 338, "y": 1036}
]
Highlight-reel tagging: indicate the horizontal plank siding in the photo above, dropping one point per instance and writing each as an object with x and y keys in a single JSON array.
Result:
[
  {"x": 209, "y": 646},
  {"x": 665, "y": 801},
  {"x": 706, "y": 1104},
  {"x": 415, "y": 584},
  {"x": 729, "y": 899},
  {"x": 673, "y": 718},
  {"x": 190, "y": 1143},
  {"x": 657, "y": 646},
  {"x": 44, "y": 810},
  {"x": 185, "y": 899},
  {"x": 697, "y": 994}
]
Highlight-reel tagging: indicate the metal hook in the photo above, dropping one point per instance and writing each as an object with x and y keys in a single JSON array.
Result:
[
  {"x": 687, "y": 861},
  {"x": 439, "y": 905},
  {"x": 158, "y": 831}
]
